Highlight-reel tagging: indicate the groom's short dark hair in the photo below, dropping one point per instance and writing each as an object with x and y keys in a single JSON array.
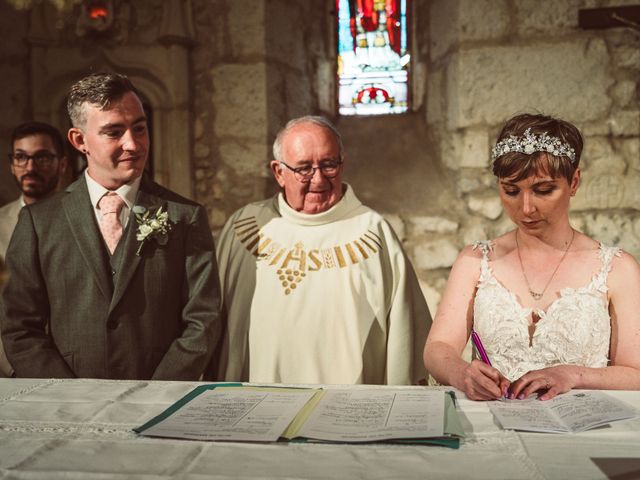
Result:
[{"x": 98, "y": 89}]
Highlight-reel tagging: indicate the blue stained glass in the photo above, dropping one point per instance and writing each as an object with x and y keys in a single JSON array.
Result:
[
  {"x": 345, "y": 40},
  {"x": 403, "y": 20},
  {"x": 373, "y": 58}
]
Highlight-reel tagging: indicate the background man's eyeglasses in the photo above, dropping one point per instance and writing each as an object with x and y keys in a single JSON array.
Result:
[
  {"x": 40, "y": 159},
  {"x": 306, "y": 172}
]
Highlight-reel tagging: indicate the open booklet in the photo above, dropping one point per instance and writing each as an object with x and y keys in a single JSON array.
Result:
[
  {"x": 232, "y": 412},
  {"x": 567, "y": 413}
]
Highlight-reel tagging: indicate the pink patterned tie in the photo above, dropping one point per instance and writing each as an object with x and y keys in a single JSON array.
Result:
[{"x": 110, "y": 205}]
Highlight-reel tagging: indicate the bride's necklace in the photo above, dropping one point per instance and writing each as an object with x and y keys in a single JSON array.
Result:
[{"x": 536, "y": 295}]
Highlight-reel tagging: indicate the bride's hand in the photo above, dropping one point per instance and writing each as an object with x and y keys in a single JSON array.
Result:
[
  {"x": 549, "y": 382},
  {"x": 483, "y": 382}
]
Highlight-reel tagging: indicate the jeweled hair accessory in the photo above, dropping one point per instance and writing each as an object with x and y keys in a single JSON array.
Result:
[{"x": 530, "y": 143}]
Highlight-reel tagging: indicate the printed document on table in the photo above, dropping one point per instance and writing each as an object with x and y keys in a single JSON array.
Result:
[
  {"x": 357, "y": 415},
  {"x": 567, "y": 413},
  {"x": 232, "y": 413}
]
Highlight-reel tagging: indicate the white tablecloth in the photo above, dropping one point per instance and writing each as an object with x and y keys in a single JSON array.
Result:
[{"x": 81, "y": 429}]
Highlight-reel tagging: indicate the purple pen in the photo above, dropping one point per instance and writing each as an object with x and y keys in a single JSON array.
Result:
[{"x": 475, "y": 338}]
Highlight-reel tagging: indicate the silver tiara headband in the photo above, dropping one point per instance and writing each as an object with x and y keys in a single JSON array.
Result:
[{"x": 530, "y": 143}]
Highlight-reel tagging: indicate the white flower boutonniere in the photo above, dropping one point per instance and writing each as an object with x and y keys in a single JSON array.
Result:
[{"x": 151, "y": 224}]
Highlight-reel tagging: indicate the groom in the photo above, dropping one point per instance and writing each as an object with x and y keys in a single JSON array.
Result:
[{"x": 115, "y": 277}]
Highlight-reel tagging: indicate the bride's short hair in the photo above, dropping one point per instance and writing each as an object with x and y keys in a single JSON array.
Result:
[{"x": 519, "y": 165}]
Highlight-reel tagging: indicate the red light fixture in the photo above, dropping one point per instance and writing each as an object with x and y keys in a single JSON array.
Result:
[
  {"x": 98, "y": 11},
  {"x": 96, "y": 16}
]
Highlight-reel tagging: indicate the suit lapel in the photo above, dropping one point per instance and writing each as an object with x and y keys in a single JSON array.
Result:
[
  {"x": 84, "y": 228},
  {"x": 129, "y": 261}
]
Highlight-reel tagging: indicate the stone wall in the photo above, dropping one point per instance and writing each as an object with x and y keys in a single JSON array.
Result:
[
  {"x": 255, "y": 66},
  {"x": 229, "y": 104}
]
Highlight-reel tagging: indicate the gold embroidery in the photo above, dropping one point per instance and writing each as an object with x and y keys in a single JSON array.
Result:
[
  {"x": 368, "y": 245},
  {"x": 273, "y": 248},
  {"x": 254, "y": 242},
  {"x": 327, "y": 258},
  {"x": 254, "y": 231},
  {"x": 260, "y": 251},
  {"x": 315, "y": 260},
  {"x": 374, "y": 238},
  {"x": 243, "y": 221},
  {"x": 244, "y": 229},
  {"x": 289, "y": 279},
  {"x": 296, "y": 255},
  {"x": 352, "y": 254},
  {"x": 294, "y": 265},
  {"x": 364, "y": 254},
  {"x": 278, "y": 255}
]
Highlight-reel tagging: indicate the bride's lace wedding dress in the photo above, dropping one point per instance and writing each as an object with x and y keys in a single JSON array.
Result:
[{"x": 575, "y": 329}]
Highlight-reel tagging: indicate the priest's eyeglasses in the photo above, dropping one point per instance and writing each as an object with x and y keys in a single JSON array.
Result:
[
  {"x": 305, "y": 173},
  {"x": 41, "y": 159}
]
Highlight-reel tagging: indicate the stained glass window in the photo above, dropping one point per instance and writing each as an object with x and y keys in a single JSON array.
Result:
[{"x": 373, "y": 58}]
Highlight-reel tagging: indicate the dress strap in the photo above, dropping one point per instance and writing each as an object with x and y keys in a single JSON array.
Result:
[
  {"x": 606, "y": 254},
  {"x": 485, "y": 246}
]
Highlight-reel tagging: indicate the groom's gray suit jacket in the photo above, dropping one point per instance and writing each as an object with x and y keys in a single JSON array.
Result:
[{"x": 70, "y": 309}]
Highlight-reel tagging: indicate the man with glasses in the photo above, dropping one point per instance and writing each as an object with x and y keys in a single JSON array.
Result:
[
  {"x": 316, "y": 286},
  {"x": 37, "y": 161}
]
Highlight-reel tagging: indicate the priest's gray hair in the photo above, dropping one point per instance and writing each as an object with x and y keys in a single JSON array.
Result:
[{"x": 314, "y": 119}]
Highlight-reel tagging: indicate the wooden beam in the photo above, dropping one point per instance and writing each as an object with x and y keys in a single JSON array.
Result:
[{"x": 610, "y": 17}]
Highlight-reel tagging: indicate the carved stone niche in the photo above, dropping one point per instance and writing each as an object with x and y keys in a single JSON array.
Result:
[{"x": 160, "y": 72}]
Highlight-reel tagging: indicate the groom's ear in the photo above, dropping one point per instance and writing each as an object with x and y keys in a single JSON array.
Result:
[{"x": 76, "y": 138}]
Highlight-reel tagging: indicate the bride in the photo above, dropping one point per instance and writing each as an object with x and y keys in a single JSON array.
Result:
[{"x": 554, "y": 308}]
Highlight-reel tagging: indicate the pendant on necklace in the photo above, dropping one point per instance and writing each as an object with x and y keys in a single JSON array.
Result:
[{"x": 535, "y": 295}]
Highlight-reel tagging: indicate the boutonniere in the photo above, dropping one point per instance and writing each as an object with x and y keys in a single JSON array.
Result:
[{"x": 152, "y": 223}]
